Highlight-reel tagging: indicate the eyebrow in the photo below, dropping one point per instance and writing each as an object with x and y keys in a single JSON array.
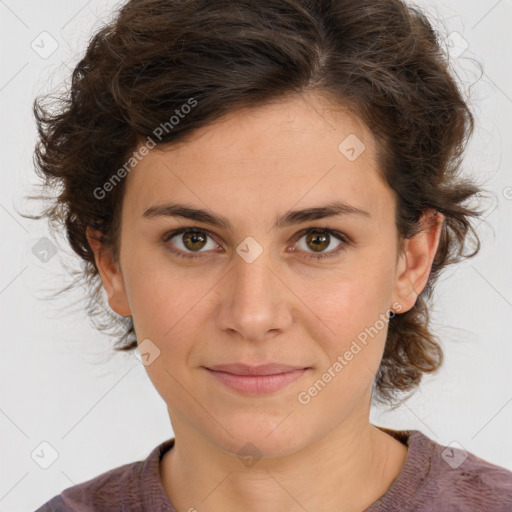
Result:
[{"x": 334, "y": 209}]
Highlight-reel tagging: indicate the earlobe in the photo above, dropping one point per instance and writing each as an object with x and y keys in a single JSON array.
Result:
[
  {"x": 110, "y": 274},
  {"x": 415, "y": 262}
]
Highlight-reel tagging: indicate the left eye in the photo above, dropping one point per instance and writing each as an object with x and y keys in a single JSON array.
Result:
[
  {"x": 321, "y": 239},
  {"x": 195, "y": 239}
]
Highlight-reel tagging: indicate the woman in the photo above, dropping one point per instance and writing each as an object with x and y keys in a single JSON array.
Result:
[{"x": 267, "y": 192}]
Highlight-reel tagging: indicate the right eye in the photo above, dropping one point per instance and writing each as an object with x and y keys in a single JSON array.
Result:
[{"x": 190, "y": 241}]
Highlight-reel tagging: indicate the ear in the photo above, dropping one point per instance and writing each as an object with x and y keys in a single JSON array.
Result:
[
  {"x": 110, "y": 273},
  {"x": 415, "y": 261}
]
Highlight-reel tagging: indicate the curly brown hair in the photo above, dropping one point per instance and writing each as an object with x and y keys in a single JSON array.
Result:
[{"x": 381, "y": 59}]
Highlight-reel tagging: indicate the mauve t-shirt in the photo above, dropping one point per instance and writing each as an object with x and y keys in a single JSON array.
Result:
[{"x": 434, "y": 478}]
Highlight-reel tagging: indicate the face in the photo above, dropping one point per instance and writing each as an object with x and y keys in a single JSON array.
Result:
[{"x": 264, "y": 287}]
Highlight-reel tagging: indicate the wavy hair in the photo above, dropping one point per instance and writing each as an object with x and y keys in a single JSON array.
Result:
[{"x": 381, "y": 59}]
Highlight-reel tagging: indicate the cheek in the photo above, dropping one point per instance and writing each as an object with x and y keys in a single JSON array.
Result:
[
  {"x": 168, "y": 308},
  {"x": 160, "y": 293},
  {"x": 353, "y": 306},
  {"x": 351, "y": 297},
  {"x": 357, "y": 319}
]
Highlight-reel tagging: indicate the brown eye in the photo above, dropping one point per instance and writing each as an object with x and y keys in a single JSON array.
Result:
[
  {"x": 318, "y": 241},
  {"x": 188, "y": 241},
  {"x": 193, "y": 240}
]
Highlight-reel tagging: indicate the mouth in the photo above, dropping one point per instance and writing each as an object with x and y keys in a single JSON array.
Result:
[{"x": 257, "y": 380}]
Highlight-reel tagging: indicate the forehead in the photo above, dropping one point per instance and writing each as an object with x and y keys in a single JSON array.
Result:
[
  {"x": 299, "y": 126},
  {"x": 300, "y": 149}
]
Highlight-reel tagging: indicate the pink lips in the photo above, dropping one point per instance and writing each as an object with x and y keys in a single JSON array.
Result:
[{"x": 256, "y": 380}]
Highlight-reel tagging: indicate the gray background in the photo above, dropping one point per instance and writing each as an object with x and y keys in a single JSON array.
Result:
[{"x": 59, "y": 384}]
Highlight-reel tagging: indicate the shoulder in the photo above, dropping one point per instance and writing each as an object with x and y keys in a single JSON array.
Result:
[
  {"x": 466, "y": 480},
  {"x": 103, "y": 492},
  {"x": 444, "y": 477},
  {"x": 126, "y": 487}
]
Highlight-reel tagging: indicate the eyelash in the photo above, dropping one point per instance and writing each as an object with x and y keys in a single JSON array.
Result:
[{"x": 331, "y": 254}]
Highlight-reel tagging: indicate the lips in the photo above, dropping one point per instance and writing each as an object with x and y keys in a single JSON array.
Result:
[
  {"x": 264, "y": 369},
  {"x": 257, "y": 380}
]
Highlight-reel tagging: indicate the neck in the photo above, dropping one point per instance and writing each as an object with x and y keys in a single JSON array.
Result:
[{"x": 347, "y": 470}]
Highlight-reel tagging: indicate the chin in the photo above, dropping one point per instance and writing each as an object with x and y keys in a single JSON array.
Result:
[{"x": 261, "y": 436}]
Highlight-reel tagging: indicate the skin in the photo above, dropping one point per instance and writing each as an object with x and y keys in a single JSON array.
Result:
[{"x": 251, "y": 167}]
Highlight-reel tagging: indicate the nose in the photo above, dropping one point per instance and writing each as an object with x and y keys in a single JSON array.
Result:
[{"x": 255, "y": 301}]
